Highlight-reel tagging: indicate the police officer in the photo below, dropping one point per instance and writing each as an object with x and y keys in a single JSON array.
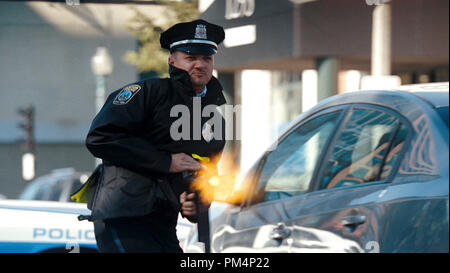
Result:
[{"x": 141, "y": 190}]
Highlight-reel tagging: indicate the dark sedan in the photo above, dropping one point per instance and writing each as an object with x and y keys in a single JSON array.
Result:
[{"x": 360, "y": 172}]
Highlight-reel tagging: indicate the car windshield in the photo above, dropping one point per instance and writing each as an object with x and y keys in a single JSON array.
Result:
[
  {"x": 443, "y": 113},
  {"x": 37, "y": 190}
]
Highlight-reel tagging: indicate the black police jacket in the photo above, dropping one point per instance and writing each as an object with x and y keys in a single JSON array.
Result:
[{"x": 131, "y": 134}]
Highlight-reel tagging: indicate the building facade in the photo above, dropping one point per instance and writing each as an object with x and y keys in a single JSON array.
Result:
[
  {"x": 45, "y": 61},
  {"x": 282, "y": 57}
]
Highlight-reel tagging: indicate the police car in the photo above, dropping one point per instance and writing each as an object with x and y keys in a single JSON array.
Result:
[
  {"x": 49, "y": 227},
  {"x": 44, "y": 226},
  {"x": 35, "y": 226},
  {"x": 45, "y": 219}
]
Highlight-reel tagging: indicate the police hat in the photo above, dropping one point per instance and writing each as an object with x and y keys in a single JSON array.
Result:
[{"x": 196, "y": 37}]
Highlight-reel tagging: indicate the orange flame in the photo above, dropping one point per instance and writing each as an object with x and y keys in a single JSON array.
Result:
[{"x": 214, "y": 187}]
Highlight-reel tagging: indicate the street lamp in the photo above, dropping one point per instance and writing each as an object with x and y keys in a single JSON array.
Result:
[{"x": 102, "y": 66}]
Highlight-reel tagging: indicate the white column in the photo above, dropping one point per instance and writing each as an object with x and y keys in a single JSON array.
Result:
[
  {"x": 381, "y": 40},
  {"x": 255, "y": 115},
  {"x": 309, "y": 89}
]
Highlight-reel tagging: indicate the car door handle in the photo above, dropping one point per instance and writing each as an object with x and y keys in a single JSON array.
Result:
[
  {"x": 353, "y": 220},
  {"x": 280, "y": 232}
]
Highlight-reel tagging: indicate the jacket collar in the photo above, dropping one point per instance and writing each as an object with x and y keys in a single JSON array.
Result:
[
  {"x": 183, "y": 80},
  {"x": 181, "y": 77}
]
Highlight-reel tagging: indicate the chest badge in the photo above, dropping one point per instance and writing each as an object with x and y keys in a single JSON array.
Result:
[
  {"x": 207, "y": 132},
  {"x": 126, "y": 94}
]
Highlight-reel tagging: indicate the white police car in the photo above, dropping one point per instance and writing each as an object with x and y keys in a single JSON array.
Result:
[
  {"x": 44, "y": 226},
  {"x": 48, "y": 226},
  {"x": 45, "y": 219}
]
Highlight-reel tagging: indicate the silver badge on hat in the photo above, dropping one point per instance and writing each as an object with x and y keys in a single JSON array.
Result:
[
  {"x": 200, "y": 32},
  {"x": 207, "y": 132}
]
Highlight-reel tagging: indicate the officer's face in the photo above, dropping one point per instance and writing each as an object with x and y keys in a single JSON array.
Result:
[{"x": 199, "y": 67}]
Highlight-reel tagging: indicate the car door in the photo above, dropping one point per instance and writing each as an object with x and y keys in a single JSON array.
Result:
[
  {"x": 344, "y": 210},
  {"x": 283, "y": 177}
]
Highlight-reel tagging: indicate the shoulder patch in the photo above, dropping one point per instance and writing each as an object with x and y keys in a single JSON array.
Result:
[{"x": 126, "y": 94}]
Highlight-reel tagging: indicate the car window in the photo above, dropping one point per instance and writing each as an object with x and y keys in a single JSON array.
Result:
[
  {"x": 394, "y": 149},
  {"x": 288, "y": 170},
  {"x": 42, "y": 192},
  {"x": 365, "y": 150},
  {"x": 56, "y": 190},
  {"x": 30, "y": 192}
]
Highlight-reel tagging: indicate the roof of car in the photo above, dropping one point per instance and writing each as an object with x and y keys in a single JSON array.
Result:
[
  {"x": 55, "y": 177},
  {"x": 46, "y": 206},
  {"x": 425, "y": 87},
  {"x": 398, "y": 98},
  {"x": 436, "y": 93}
]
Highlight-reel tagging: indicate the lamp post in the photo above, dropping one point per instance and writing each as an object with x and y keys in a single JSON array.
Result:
[{"x": 102, "y": 66}]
